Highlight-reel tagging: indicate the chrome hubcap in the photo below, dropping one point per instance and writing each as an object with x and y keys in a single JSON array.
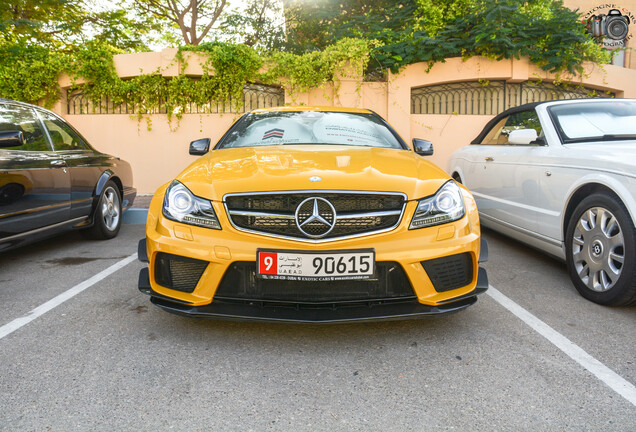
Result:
[
  {"x": 598, "y": 249},
  {"x": 110, "y": 209}
]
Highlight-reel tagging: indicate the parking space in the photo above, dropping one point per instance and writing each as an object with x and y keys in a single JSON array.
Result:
[
  {"x": 542, "y": 286},
  {"x": 106, "y": 359}
]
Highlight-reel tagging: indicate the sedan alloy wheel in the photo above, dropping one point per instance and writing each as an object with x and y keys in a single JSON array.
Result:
[
  {"x": 108, "y": 214},
  {"x": 111, "y": 208}
]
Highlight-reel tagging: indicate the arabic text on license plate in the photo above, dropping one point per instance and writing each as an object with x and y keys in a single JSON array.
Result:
[{"x": 300, "y": 265}]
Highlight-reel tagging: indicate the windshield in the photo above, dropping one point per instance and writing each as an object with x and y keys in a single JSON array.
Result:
[
  {"x": 310, "y": 127},
  {"x": 608, "y": 120}
]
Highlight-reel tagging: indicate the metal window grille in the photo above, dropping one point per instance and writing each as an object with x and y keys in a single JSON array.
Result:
[
  {"x": 255, "y": 96},
  {"x": 490, "y": 98}
]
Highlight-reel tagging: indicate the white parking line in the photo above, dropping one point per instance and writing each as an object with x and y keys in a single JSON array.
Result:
[
  {"x": 576, "y": 353},
  {"x": 17, "y": 323}
]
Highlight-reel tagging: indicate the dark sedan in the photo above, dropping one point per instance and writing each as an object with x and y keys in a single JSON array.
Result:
[{"x": 52, "y": 180}]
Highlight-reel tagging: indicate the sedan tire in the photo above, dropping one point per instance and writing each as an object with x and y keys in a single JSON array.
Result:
[
  {"x": 600, "y": 245},
  {"x": 108, "y": 214}
]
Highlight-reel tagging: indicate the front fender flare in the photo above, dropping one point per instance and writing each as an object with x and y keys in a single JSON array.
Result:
[{"x": 609, "y": 182}]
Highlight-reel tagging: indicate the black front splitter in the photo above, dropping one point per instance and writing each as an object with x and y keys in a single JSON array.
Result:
[
  {"x": 388, "y": 310},
  {"x": 257, "y": 311}
]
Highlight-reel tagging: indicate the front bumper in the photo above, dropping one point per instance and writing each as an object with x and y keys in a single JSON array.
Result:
[
  {"x": 324, "y": 313},
  {"x": 218, "y": 251}
]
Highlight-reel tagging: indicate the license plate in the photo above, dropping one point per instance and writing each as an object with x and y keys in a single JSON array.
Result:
[{"x": 322, "y": 266}]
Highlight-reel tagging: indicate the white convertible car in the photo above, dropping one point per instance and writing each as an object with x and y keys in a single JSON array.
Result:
[{"x": 561, "y": 177}]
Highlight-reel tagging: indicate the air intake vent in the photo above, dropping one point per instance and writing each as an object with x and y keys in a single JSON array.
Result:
[
  {"x": 177, "y": 272},
  {"x": 451, "y": 272}
]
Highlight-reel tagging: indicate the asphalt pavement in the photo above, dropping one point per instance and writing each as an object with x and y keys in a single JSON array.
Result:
[{"x": 82, "y": 349}]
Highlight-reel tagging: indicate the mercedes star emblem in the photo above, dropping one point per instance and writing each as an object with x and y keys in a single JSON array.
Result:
[{"x": 315, "y": 217}]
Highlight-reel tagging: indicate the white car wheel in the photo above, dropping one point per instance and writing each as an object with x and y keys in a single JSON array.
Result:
[{"x": 600, "y": 251}]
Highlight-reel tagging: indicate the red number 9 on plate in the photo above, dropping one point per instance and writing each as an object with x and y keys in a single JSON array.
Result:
[{"x": 268, "y": 263}]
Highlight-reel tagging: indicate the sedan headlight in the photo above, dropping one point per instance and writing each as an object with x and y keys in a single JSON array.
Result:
[
  {"x": 447, "y": 205},
  {"x": 181, "y": 205}
]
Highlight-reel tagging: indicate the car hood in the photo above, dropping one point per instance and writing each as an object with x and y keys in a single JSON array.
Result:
[{"x": 285, "y": 168}]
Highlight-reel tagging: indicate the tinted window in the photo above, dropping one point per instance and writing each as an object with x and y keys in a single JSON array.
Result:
[
  {"x": 62, "y": 136},
  {"x": 498, "y": 135},
  {"x": 310, "y": 127},
  {"x": 18, "y": 118}
]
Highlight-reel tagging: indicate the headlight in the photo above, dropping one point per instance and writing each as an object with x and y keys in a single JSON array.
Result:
[
  {"x": 181, "y": 205},
  {"x": 447, "y": 205}
]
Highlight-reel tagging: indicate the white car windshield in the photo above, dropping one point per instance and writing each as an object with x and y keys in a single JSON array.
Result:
[
  {"x": 310, "y": 127},
  {"x": 607, "y": 120}
]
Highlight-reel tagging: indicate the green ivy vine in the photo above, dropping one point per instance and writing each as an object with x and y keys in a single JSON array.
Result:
[
  {"x": 31, "y": 74},
  {"x": 348, "y": 57}
]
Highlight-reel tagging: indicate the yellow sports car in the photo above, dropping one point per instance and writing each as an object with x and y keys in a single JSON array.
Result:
[{"x": 312, "y": 215}]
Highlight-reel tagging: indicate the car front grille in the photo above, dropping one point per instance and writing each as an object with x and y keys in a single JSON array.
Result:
[
  {"x": 240, "y": 283},
  {"x": 346, "y": 213},
  {"x": 451, "y": 272}
]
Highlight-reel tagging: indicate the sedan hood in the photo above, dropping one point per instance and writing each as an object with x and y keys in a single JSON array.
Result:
[{"x": 285, "y": 168}]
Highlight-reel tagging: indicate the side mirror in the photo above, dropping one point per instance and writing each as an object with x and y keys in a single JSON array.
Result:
[
  {"x": 11, "y": 139},
  {"x": 200, "y": 147},
  {"x": 522, "y": 136},
  {"x": 422, "y": 147}
]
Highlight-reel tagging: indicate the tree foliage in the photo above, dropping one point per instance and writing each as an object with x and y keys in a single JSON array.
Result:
[
  {"x": 193, "y": 18},
  {"x": 30, "y": 73},
  {"x": 411, "y": 31},
  {"x": 67, "y": 24},
  {"x": 258, "y": 24},
  {"x": 314, "y": 25},
  {"x": 39, "y": 40}
]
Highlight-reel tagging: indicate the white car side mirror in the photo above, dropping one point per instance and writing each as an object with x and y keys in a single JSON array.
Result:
[{"x": 522, "y": 136}]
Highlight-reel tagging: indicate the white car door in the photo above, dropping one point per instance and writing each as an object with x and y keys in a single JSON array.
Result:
[{"x": 504, "y": 177}]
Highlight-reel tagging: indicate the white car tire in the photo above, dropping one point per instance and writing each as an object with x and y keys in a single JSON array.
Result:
[{"x": 600, "y": 245}]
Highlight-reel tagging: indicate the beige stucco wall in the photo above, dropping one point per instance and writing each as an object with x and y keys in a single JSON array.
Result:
[
  {"x": 156, "y": 156},
  {"x": 159, "y": 154}
]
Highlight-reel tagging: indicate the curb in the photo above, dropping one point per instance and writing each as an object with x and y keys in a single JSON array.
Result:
[{"x": 135, "y": 216}]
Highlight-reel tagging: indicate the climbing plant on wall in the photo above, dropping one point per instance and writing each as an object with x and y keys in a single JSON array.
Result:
[
  {"x": 382, "y": 35},
  {"x": 30, "y": 73},
  {"x": 226, "y": 70}
]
